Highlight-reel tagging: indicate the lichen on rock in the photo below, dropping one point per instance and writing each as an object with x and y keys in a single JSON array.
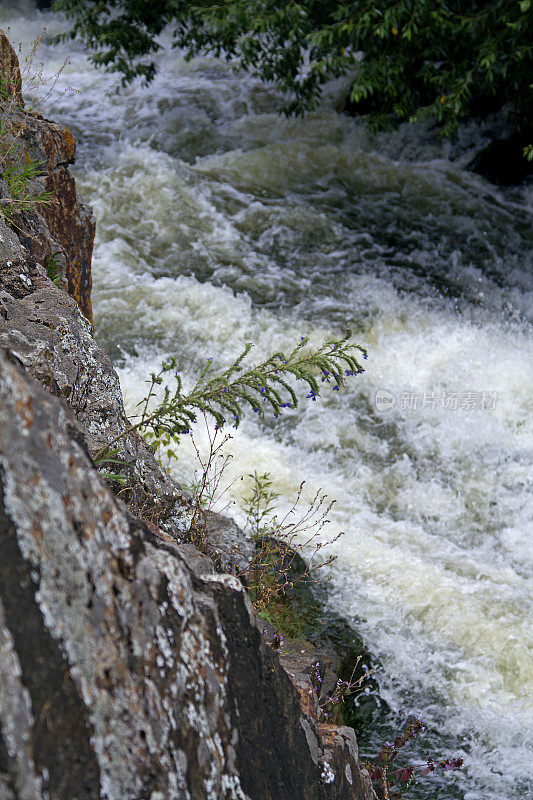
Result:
[
  {"x": 129, "y": 672},
  {"x": 131, "y": 665}
]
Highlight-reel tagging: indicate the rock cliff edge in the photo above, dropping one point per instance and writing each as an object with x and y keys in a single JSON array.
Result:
[{"x": 131, "y": 666}]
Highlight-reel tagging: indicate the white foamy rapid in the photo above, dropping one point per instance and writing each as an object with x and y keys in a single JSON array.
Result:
[{"x": 220, "y": 222}]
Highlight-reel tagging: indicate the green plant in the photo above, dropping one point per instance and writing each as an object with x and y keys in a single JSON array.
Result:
[
  {"x": 259, "y": 386},
  {"x": 111, "y": 457},
  {"x": 279, "y": 540},
  {"x": 4, "y": 91},
  {"x": 163, "y": 421},
  {"x": 36, "y": 85},
  {"x": 206, "y": 486},
  {"x": 260, "y": 505},
  {"x": 52, "y": 266},
  {"x": 18, "y": 170},
  {"x": 276, "y": 573},
  {"x": 407, "y": 59},
  {"x": 19, "y": 174},
  {"x": 329, "y": 706}
]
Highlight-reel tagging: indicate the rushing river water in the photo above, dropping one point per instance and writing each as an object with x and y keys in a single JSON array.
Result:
[{"x": 221, "y": 222}]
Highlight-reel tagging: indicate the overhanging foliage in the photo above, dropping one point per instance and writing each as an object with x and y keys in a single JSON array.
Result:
[{"x": 415, "y": 58}]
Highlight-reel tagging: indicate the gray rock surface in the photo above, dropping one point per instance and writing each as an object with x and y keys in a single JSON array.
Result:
[
  {"x": 131, "y": 666},
  {"x": 49, "y": 335},
  {"x": 125, "y": 672}
]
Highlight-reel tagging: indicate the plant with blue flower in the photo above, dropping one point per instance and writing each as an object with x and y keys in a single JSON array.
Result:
[{"x": 164, "y": 417}]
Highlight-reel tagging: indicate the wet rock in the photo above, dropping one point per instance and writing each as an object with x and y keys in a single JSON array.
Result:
[
  {"x": 69, "y": 221},
  {"x": 15, "y": 276},
  {"x": 503, "y": 162}
]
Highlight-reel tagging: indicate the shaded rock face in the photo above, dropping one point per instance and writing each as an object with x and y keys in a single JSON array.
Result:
[
  {"x": 64, "y": 228},
  {"x": 125, "y": 672}
]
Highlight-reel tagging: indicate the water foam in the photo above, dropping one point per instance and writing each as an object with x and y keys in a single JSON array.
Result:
[{"x": 219, "y": 223}]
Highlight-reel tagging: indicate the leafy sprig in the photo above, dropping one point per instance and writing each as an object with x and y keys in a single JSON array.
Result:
[{"x": 228, "y": 393}]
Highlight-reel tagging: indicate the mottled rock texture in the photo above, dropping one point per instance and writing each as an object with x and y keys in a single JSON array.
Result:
[
  {"x": 62, "y": 229},
  {"x": 46, "y": 331},
  {"x": 125, "y": 672},
  {"x": 131, "y": 666}
]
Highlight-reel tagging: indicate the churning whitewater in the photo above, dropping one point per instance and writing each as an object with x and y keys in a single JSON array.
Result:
[{"x": 221, "y": 222}]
